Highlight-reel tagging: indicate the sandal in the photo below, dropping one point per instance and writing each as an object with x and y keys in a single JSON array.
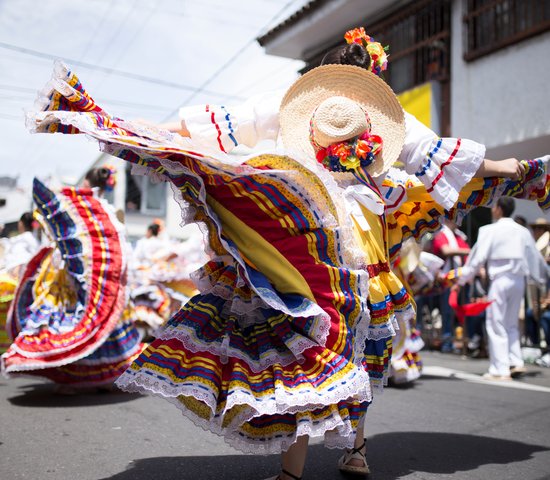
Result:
[
  {"x": 288, "y": 474},
  {"x": 354, "y": 454}
]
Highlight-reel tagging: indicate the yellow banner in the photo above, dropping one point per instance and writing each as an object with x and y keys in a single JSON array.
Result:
[{"x": 419, "y": 102}]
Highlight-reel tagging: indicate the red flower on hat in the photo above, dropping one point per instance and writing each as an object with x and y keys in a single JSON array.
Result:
[
  {"x": 341, "y": 150},
  {"x": 362, "y": 148}
]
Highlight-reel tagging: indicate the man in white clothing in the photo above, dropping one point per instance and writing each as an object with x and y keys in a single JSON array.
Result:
[{"x": 509, "y": 253}]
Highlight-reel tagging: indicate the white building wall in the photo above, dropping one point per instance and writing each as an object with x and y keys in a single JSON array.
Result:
[{"x": 502, "y": 98}]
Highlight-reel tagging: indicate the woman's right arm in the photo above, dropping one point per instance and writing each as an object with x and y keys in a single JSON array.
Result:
[
  {"x": 176, "y": 127},
  {"x": 228, "y": 127}
]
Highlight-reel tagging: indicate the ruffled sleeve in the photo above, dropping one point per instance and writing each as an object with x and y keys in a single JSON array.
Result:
[
  {"x": 443, "y": 165},
  {"x": 228, "y": 127}
]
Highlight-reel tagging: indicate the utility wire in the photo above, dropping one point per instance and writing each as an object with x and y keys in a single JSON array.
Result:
[
  {"x": 11, "y": 117},
  {"x": 113, "y": 71},
  {"x": 146, "y": 18},
  {"x": 269, "y": 75},
  {"x": 17, "y": 88},
  {"x": 237, "y": 54},
  {"x": 117, "y": 32},
  {"x": 30, "y": 92},
  {"x": 97, "y": 28}
]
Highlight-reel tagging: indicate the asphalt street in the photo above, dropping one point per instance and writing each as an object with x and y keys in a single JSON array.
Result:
[{"x": 450, "y": 424}]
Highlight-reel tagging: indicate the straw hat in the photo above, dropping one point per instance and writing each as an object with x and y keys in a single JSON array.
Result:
[
  {"x": 342, "y": 99},
  {"x": 542, "y": 242},
  {"x": 409, "y": 256},
  {"x": 540, "y": 222}
]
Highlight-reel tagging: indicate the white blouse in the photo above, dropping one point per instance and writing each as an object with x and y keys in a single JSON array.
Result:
[{"x": 443, "y": 165}]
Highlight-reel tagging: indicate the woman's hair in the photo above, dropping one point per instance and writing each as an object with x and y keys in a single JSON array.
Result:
[
  {"x": 98, "y": 177},
  {"x": 349, "y": 54},
  {"x": 27, "y": 220},
  {"x": 154, "y": 228}
]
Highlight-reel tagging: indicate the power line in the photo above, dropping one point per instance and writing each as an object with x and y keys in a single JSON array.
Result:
[
  {"x": 271, "y": 74},
  {"x": 113, "y": 71},
  {"x": 117, "y": 32},
  {"x": 17, "y": 88},
  {"x": 11, "y": 117},
  {"x": 32, "y": 92},
  {"x": 97, "y": 28},
  {"x": 139, "y": 29},
  {"x": 239, "y": 52}
]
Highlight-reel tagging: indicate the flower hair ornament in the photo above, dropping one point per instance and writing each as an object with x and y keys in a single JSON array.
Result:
[
  {"x": 341, "y": 117},
  {"x": 159, "y": 222},
  {"x": 378, "y": 54},
  {"x": 111, "y": 179}
]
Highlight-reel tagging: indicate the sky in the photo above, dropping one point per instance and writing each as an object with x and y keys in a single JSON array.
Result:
[{"x": 137, "y": 58}]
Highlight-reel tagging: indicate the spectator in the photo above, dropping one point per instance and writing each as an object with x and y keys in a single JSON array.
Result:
[
  {"x": 102, "y": 178},
  {"x": 521, "y": 220},
  {"x": 19, "y": 249},
  {"x": 151, "y": 247},
  {"x": 536, "y": 313},
  {"x": 541, "y": 231},
  {"x": 451, "y": 245},
  {"x": 510, "y": 254},
  {"x": 544, "y": 323}
]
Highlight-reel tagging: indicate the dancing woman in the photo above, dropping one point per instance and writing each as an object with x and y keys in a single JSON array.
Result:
[
  {"x": 68, "y": 321},
  {"x": 273, "y": 350}
]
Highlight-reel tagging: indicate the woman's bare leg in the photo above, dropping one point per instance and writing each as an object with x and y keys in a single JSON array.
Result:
[
  {"x": 294, "y": 459},
  {"x": 359, "y": 440},
  {"x": 360, "y": 435}
]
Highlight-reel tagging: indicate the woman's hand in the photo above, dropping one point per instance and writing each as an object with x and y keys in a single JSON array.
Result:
[
  {"x": 507, "y": 168},
  {"x": 511, "y": 168}
]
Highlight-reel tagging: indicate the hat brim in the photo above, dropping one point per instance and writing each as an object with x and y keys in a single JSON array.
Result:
[
  {"x": 372, "y": 93},
  {"x": 542, "y": 223},
  {"x": 542, "y": 242}
]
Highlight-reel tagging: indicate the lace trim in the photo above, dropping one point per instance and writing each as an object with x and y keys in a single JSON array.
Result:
[
  {"x": 390, "y": 328},
  {"x": 113, "y": 320},
  {"x": 357, "y": 387},
  {"x": 296, "y": 346},
  {"x": 401, "y": 372}
]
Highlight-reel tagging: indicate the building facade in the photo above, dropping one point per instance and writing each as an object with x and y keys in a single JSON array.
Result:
[{"x": 481, "y": 63}]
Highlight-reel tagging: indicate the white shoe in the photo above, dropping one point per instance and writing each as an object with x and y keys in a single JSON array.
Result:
[
  {"x": 543, "y": 361},
  {"x": 497, "y": 378}
]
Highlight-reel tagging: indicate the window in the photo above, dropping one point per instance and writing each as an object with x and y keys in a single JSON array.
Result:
[
  {"x": 419, "y": 36},
  {"x": 494, "y": 24},
  {"x": 144, "y": 196}
]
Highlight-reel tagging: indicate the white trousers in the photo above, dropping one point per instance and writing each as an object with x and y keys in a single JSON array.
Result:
[{"x": 502, "y": 324}]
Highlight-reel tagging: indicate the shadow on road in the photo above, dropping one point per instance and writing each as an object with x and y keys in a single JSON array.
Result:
[
  {"x": 390, "y": 455},
  {"x": 44, "y": 395}
]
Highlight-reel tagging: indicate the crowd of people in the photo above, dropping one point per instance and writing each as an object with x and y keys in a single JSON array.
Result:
[
  {"x": 506, "y": 252},
  {"x": 305, "y": 307}
]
